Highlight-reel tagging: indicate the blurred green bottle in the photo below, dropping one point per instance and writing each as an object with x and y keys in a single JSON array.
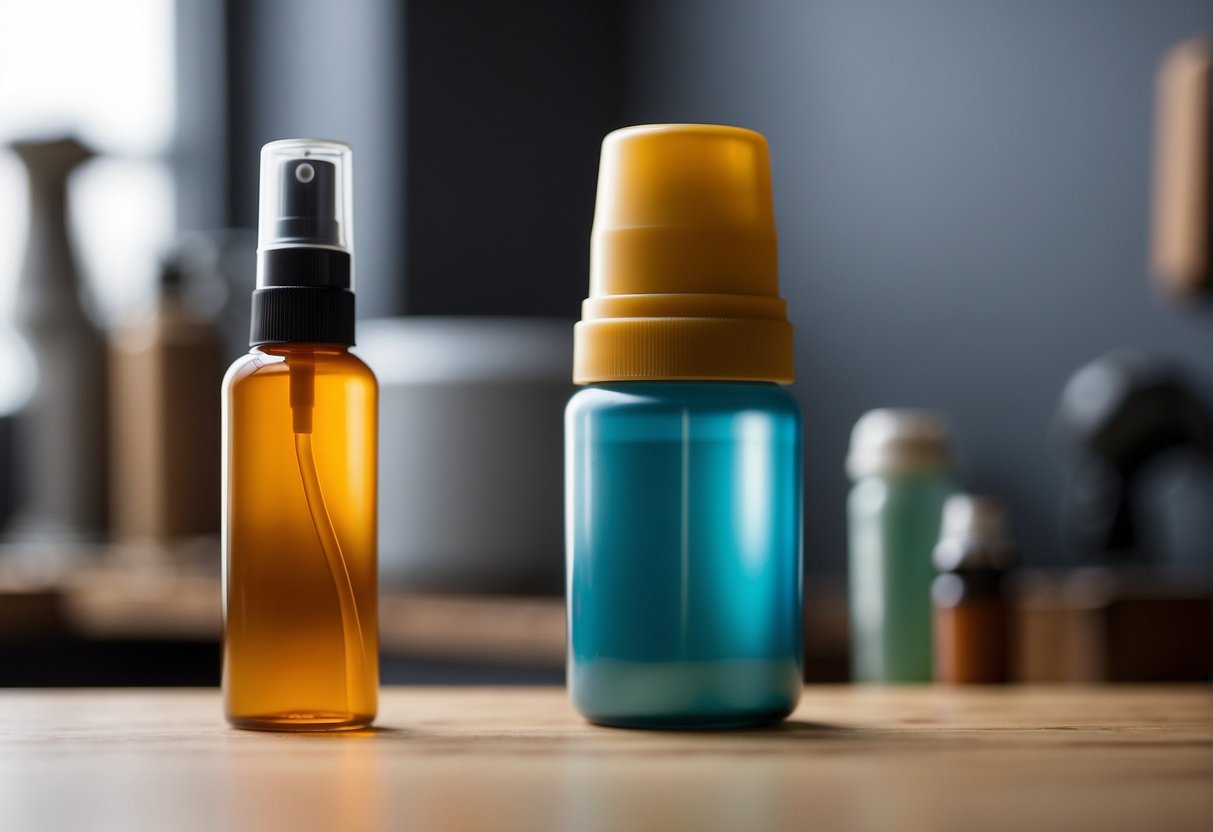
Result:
[{"x": 900, "y": 463}]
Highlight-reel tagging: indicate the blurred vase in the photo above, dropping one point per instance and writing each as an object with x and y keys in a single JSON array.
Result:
[
  {"x": 61, "y": 433},
  {"x": 471, "y": 451},
  {"x": 16, "y": 386}
]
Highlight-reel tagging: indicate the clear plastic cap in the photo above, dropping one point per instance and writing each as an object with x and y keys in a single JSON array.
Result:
[{"x": 306, "y": 195}]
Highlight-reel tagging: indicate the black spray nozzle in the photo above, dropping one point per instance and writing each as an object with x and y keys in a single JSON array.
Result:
[
  {"x": 307, "y": 203},
  {"x": 304, "y": 265}
]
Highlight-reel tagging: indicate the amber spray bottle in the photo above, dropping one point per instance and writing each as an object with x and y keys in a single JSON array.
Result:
[{"x": 300, "y": 424}]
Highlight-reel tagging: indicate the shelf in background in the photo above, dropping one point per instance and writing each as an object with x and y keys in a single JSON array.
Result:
[
  {"x": 1071, "y": 625},
  {"x": 132, "y": 595}
]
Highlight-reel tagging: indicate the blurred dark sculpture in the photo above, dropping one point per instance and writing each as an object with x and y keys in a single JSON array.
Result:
[{"x": 1119, "y": 416}]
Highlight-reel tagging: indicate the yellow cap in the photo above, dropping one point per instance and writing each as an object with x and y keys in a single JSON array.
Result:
[{"x": 684, "y": 277}]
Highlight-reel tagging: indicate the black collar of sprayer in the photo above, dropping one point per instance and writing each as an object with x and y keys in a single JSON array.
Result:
[{"x": 304, "y": 297}]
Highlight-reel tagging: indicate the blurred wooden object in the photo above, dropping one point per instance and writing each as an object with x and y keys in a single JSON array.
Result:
[
  {"x": 30, "y": 614},
  {"x": 133, "y": 593},
  {"x": 1070, "y": 626},
  {"x": 164, "y": 420},
  {"x": 1113, "y": 625},
  {"x": 505, "y": 629},
  {"x": 1180, "y": 234},
  {"x": 908, "y": 758}
]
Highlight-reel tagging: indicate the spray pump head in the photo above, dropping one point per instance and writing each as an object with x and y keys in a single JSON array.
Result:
[{"x": 304, "y": 248}]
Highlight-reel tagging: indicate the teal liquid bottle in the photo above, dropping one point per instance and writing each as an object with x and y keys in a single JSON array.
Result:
[{"x": 683, "y": 452}]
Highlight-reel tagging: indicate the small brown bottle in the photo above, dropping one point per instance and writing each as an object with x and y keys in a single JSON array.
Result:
[
  {"x": 300, "y": 417},
  {"x": 971, "y": 614}
]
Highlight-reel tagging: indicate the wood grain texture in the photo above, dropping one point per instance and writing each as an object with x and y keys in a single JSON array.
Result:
[{"x": 1100, "y": 759}]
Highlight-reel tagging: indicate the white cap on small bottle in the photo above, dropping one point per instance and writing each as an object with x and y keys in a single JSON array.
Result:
[
  {"x": 974, "y": 534},
  {"x": 896, "y": 441},
  {"x": 978, "y": 517}
]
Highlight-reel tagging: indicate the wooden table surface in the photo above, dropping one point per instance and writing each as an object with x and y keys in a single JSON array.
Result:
[{"x": 1097, "y": 759}]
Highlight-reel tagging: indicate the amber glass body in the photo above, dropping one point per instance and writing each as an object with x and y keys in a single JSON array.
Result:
[
  {"x": 972, "y": 628},
  {"x": 290, "y": 662}
]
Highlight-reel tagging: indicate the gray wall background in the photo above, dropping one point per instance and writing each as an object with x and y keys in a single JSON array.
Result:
[
  {"x": 962, "y": 194},
  {"x": 324, "y": 70},
  {"x": 962, "y": 187}
]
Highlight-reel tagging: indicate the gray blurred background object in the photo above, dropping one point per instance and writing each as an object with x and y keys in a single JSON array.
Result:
[{"x": 471, "y": 451}]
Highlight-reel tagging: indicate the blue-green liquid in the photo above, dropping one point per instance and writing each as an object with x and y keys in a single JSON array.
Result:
[{"x": 684, "y": 568}]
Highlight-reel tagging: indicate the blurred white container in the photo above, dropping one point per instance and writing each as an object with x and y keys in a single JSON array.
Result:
[{"x": 471, "y": 451}]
